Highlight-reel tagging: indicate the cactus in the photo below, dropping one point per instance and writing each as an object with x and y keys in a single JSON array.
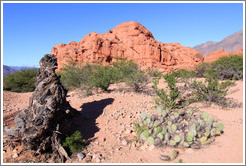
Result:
[
  {"x": 177, "y": 138},
  {"x": 167, "y": 136},
  {"x": 169, "y": 123},
  {"x": 176, "y": 115},
  {"x": 144, "y": 135},
  {"x": 204, "y": 116},
  {"x": 150, "y": 140},
  {"x": 157, "y": 130},
  {"x": 185, "y": 144},
  {"x": 221, "y": 126},
  {"x": 164, "y": 130},
  {"x": 143, "y": 115},
  {"x": 160, "y": 135},
  {"x": 155, "y": 124},
  {"x": 160, "y": 108},
  {"x": 173, "y": 154},
  {"x": 215, "y": 124},
  {"x": 203, "y": 139},
  {"x": 174, "y": 127},
  {"x": 164, "y": 113},
  {"x": 208, "y": 141},
  {"x": 207, "y": 133},
  {"x": 217, "y": 132},
  {"x": 148, "y": 120},
  {"x": 172, "y": 142}
]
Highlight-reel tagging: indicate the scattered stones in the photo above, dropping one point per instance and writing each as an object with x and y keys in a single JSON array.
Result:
[
  {"x": 81, "y": 155},
  {"x": 15, "y": 155},
  {"x": 124, "y": 142}
]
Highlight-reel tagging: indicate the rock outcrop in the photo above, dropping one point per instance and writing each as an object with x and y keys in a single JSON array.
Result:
[
  {"x": 213, "y": 56},
  {"x": 43, "y": 123},
  {"x": 129, "y": 40}
]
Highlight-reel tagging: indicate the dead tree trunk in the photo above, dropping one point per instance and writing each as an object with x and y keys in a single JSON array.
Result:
[{"x": 41, "y": 126}]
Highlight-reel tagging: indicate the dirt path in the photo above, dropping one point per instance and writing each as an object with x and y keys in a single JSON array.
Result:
[{"x": 110, "y": 131}]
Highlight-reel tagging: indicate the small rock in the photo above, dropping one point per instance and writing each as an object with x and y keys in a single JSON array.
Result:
[
  {"x": 189, "y": 150},
  {"x": 98, "y": 160},
  {"x": 151, "y": 147},
  {"x": 81, "y": 155},
  {"x": 128, "y": 131},
  {"x": 15, "y": 155},
  {"x": 165, "y": 157},
  {"x": 124, "y": 142},
  {"x": 104, "y": 139}
]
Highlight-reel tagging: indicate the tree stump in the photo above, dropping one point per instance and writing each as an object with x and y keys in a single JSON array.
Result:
[{"x": 42, "y": 125}]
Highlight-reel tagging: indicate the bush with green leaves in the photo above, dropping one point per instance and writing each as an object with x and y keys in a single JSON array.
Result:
[
  {"x": 211, "y": 90},
  {"x": 101, "y": 77},
  {"x": 226, "y": 68},
  {"x": 154, "y": 73},
  {"x": 20, "y": 81},
  {"x": 122, "y": 69},
  {"x": 75, "y": 142},
  {"x": 76, "y": 75},
  {"x": 202, "y": 69},
  {"x": 229, "y": 68},
  {"x": 184, "y": 74},
  {"x": 138, "y": 80},
  {"x": 168, "y": 98}
]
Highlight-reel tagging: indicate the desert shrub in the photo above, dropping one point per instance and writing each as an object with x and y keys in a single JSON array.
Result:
[
  {"x": 20, "y": 81},
  {"x": 202, "y": 69},
  {"x": 137, "y": 80},
  {"x": 154, "y": 73},
  {"x": 211, "y": 90},
  {"x": 169, "y": 99},
  {"x": 229, "y": 67},
  {"x": 182, "y": 74},
  {"x": 75, "y": 75},
  {"x": 74, "y": 142},
  {"x": 101, "y": 77},
  {"x": 122, "y": 69}
]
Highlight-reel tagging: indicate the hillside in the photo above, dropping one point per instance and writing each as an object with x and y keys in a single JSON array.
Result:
[
  {"x": 7, "y": 70},
  {"x": 230, "y": 44}
]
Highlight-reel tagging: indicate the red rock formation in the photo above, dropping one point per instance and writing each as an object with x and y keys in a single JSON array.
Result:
[
  {"x": 128, "y": 40},
  {"x": 213, "y": 56},
  {"x": 238, "y": 52}
]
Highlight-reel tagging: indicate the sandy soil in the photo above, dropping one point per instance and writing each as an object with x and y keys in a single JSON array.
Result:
[{"x": 110, "y": 131}]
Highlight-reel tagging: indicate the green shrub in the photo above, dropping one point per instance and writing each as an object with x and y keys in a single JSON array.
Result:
[
  {"x": 211, "y": 90},
  {"x": 138, "y": 80},
  {"x": 169, "y": 99},
  {"x": 20, "y": 81},
  {"x": 75, "y": 75},
  {"x": 74, "y": 142},
  {"x": 229, "y": 67},
  {"x": 139, "y": 127},
  {"x": 184, "y": 74},
  {"x": 101, "y": 77},
  {"x": 154, "y": 73},
  {"x": 122, "y": 69},
  {"x": 202, "y": 69}
]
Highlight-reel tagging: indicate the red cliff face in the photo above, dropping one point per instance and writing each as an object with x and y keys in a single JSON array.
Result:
[
  {"x": 128, "y": 40},
  {"x": 213, "y": 56}
]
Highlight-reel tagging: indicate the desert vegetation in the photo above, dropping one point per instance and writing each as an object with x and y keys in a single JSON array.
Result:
[{"x": 175, "y": 123}]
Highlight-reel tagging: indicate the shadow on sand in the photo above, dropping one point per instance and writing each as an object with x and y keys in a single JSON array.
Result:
[{"x": 85, "y": 122}]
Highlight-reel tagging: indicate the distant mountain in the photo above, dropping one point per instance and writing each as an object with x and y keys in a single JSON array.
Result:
[
  {"x": 7, "y": 70},
  {"x": 18, "y": 68},
  {"x": 230, "y": 44}
]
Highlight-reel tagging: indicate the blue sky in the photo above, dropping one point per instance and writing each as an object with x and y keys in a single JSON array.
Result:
[{"x": 30, "y": 30}]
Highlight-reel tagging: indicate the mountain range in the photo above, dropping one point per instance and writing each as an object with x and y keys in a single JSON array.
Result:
[{"x": 230, "y": 44}]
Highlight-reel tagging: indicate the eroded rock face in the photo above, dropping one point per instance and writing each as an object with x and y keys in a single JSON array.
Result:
[
  {"x": 128, "y": 40},
  {"x": 47, "y": 113},
  {"x": 213, "y": 56}
]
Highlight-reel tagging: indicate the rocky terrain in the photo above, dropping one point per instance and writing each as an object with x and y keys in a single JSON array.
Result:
[
  {"x": 129, "y": 40},
  {"x": 109, "y": 129},
  {"x": 230, "y": 44}
]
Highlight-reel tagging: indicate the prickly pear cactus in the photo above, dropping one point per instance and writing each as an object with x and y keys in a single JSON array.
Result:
[{"x": 180, "y": 128}]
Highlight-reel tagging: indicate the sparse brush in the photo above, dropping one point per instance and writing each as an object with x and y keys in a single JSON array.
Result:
[
  {"x": 75, "y": 142},
  {"x": 169, "y": 99}
]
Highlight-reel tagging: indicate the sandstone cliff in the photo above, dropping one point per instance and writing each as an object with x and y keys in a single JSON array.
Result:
[
  {"x": 129, "y": 40},
  {"x": 213, "y": 56}
]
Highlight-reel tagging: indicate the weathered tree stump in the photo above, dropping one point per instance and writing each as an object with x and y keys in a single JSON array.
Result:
[{"x": 42, "y": 125}]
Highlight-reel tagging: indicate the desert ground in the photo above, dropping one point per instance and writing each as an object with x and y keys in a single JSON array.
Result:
[{"x": 109, "y": 129}]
